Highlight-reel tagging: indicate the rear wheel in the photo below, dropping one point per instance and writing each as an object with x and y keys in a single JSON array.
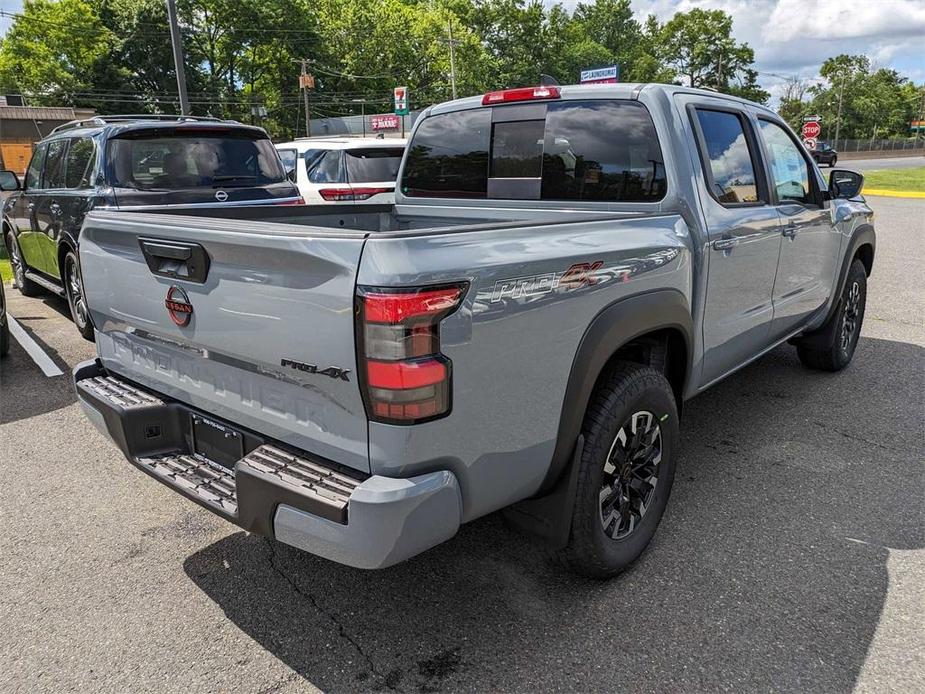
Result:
[
  {"x": 73, "y": 286},
  {"x": 840, "y": 335},
  {"x": 26, "y": 286},
  {"x": 626, "y": 471}
]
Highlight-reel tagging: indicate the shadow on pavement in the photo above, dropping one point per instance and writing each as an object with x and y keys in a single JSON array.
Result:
[{"x": 769, "y": 570}]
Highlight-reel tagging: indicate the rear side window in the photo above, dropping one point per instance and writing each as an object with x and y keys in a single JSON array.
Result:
[
  {"x": 34, "y": 172},
  {"x": 604, "y": 151},
  {"x": 156, "y": 159},
  {"x": 373, "y": 164},
  {"x": 53, "y": 176},
  {"x": 80, "y": 159},
  {"x": 728, "y": 158},
  {"x": 327, "y": 167}
]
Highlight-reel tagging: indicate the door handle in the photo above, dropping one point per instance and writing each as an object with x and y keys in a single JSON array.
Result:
[
  {"x": 790, "y": 231},
  {"x": 725, "y": 244}
]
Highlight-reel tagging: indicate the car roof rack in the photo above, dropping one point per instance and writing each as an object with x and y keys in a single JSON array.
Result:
[{"x": 129, "y": 117}]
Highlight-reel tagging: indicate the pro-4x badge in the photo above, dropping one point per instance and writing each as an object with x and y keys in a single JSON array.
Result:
[{"x": 178, "y": 306}]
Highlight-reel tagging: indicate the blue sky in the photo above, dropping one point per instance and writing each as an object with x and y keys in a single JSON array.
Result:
[{"x": 793, "y": 37}]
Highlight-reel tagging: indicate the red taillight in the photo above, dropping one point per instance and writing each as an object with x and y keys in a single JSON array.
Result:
[
  {"x": 520, "y": 94},
  {"x": 296, "y": 201},
  {"x": 404, "y": 377},
  {"x": 350, "y": 194}
]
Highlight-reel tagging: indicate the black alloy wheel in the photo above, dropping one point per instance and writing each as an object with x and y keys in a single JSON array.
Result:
[
  {"x": 630, "y": 474},
  {"x": 73, "y": 285}
]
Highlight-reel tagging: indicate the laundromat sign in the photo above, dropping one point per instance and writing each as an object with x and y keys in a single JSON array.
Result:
[{"x": 601, "y": 75}]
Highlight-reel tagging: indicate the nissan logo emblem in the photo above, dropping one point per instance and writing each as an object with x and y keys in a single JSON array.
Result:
[
  {"x": 221, "y": 195},
  {"x": 178, "y": 306}
]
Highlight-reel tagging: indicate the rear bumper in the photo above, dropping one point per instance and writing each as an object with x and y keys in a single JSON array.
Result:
[{"x": 293, "y": 496}]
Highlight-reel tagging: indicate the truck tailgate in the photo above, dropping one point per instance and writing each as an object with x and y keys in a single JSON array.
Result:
[{"x": 251, "y": 322}]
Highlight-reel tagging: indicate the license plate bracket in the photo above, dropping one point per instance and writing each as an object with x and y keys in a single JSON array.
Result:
[{"x": 216, "y": 441}]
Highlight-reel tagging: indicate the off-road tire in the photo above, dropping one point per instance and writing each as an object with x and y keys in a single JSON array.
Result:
[
  {"x": 840, "y": 334},
  {"x": 76, "y": 301},
  {"x": 627, "y": 390},
  {"x": 26, "y": 286}
]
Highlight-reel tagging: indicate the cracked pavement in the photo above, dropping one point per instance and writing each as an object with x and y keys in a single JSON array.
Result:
[{"x": 792, "y": 555}]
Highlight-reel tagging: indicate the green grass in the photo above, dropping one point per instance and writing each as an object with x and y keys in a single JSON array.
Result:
[
  {"x": 6, "y": 272},
  {"x": 908, "y": 180}
]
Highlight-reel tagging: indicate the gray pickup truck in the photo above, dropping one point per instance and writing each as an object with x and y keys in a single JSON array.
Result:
[{"x": 563, "y": 267}]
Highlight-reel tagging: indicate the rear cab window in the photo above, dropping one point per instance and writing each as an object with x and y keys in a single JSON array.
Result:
[
  {"x": 171, "y": 159},
  {"x": 590, "y": 150}
]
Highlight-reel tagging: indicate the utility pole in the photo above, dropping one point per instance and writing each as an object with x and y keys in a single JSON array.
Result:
[
  {"x": 177, "y": 43},
  {"x": 452, "y": 44},
  {"x": 841, "y": 93},
  {"x": 362, "y": 103},
  {"x": 308, "y": 118}
]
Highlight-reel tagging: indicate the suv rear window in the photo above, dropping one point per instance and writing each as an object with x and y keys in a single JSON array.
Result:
[
  {"x": 373, "y": 164},
  {"x": 605, "y": 151},
  {"x": 156, "y": 159}
]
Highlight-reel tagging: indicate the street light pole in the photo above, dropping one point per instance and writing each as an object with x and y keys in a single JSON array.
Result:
[{"x": 177, "y": 43}]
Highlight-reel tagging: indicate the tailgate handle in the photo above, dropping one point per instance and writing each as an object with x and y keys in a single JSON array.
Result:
[{"x": 176, "y": 259}]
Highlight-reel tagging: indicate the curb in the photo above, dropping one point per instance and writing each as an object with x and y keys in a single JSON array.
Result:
[{"x": 895, "y": 193}]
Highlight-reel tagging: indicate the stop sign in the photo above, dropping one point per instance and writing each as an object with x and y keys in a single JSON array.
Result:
[{"x": 811, "y": 130}]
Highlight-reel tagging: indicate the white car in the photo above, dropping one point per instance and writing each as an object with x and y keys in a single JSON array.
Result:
[{"x": 346, "y": 169}]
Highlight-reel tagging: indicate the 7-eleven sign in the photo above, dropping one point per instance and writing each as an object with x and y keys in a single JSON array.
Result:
[{"x": 401, "y": 101}]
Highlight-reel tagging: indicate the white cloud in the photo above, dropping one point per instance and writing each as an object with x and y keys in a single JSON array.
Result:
[
  {"x": 850, "y": 19},
  {"x": 794, "y": 37}
]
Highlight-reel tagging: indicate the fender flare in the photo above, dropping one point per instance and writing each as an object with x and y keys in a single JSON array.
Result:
[
  {"x": 612, "y": 328},
  {"x": 863, "y": 235},
  {"x": 548, "y": 514}
]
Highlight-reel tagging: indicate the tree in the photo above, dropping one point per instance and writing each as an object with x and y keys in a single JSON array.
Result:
[
  {"x": 698, "y": 44},
  {"x": 856, "y": 102},
  {"x": 51, "y": 49}
]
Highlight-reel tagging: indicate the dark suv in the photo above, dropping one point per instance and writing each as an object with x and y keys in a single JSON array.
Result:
[
  {"x": 132, "y": 163},
  {"x": 824, "y": 154}
]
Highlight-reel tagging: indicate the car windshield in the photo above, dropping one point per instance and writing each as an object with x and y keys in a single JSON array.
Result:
[
  {"x": 373, "y": 164},
  {"x": 148, "y": 160}
]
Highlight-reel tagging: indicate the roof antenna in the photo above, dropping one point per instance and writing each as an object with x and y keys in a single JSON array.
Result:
[{"x": 548, "y": 80}]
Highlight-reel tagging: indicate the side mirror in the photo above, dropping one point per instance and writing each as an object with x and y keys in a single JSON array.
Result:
[
  {"x": 291, "y": 175},
  {"x": 845, "y": 184},
  {"x": 9, "y": 181}
]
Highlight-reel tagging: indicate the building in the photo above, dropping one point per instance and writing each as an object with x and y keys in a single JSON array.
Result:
[{"x": 22, "y": 126}]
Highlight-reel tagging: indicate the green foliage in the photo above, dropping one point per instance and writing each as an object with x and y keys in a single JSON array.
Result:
[
  {"x": 698, "y": 44},
  {"x": 874, "y": 103},
  {"x": 115, "y": 56},
  {"x": 51, "y": 49}
]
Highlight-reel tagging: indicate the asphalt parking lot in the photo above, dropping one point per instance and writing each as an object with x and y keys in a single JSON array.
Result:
[{"x": 792, "y": 555}]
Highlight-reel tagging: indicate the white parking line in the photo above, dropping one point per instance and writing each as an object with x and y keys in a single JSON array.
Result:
[{"x": 42, "y": 360}]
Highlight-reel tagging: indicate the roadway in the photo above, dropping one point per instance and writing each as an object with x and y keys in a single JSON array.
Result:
[{"x": 791, "y": 556}]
